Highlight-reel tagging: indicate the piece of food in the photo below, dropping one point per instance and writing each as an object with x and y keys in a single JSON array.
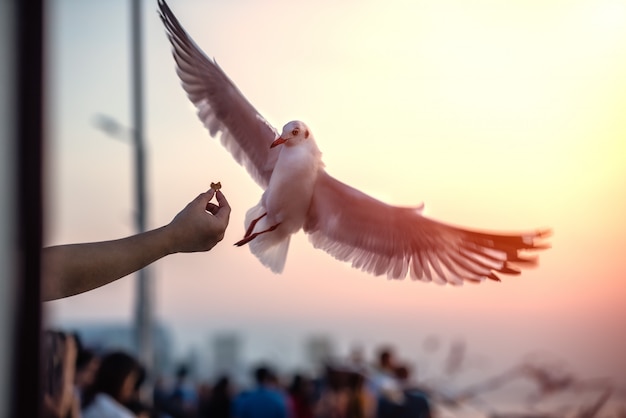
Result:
[{"x": 216, "y": 186}]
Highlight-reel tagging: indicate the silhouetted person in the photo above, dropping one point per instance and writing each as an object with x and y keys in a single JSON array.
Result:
[
  {"x": 135, "y": 404},
  {"x": 264, "y": 401},
  {"x": 360, "y": 402},
  {"x": 219, "y": 403},
  {"x": 114, "y": 385},
  {"x": 415, "y": 403},
  {"x": 184, "y": 396},
  {"x": 383, "y": 382},
  {"x": 60, "y": 352},
  {"x": 301, "y": 395},
  {"x": 163, "y": 403},
  {"x": 87, "y": 365}
]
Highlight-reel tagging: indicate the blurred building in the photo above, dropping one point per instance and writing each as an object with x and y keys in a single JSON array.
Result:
[
  {"x": 318, "y": 350},
  {"x": 119, "y": 336},
  {"x": 226, "y": 349}
]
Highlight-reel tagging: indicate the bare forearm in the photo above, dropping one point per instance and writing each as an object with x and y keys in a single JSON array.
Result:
[{"x": 77, "y": 268}]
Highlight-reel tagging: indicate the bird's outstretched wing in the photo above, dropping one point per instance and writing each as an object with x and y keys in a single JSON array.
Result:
[
  {"x": 221, "y": 106},
  {"x": 384, "y": 239}
]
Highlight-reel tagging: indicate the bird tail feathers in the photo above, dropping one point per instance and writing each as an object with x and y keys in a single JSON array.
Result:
[
  {"x": 271, "y": 252},
  {"x": 270, "y": 248},
  {"x": 253, "y": 213}
]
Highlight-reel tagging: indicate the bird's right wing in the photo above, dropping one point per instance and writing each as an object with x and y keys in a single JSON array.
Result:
[
  {"x": 221, "y": 106},
  {"x": 397, "y": 241}
]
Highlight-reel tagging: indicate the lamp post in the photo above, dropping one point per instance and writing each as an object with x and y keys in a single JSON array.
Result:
[
  {"x": 144, "y": 299},
  {"x": 143, "y": 315},
  {"x": 144, "y": 292}
]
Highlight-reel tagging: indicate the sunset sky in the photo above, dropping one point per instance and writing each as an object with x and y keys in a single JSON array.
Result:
[{"x": 498, "y": 115}]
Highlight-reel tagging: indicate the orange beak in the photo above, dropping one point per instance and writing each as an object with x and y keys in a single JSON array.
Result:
[{"x": 278, "y": 141}]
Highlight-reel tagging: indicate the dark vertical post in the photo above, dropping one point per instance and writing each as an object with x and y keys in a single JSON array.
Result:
[
  {"x": 143, "y": 314},
  {"x": 26, "y": 382},
  {"x": 8, "y": 204}
]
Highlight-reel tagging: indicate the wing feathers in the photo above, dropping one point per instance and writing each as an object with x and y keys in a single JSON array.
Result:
[
  {"x": 383, "y": 239},
  {"x": 221, "y": 107}
]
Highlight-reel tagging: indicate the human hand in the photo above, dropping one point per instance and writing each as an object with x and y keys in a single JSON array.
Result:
[
  {"x": 59, "y": 371},
  {"x": 200, "y": 225}
]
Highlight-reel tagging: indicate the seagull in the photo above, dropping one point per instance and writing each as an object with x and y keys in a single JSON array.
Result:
[{"x": 352, "y": 226}]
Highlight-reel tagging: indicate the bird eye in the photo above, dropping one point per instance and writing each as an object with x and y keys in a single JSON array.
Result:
[{"x": 295, "y": 132}]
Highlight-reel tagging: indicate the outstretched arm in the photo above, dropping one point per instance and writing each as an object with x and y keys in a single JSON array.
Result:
[{"x": 77, "y": 268}]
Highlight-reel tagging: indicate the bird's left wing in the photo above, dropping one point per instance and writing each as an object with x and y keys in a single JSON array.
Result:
[
  {"x": 221, "y": 106},
  {"x": 385, "y": 239}
]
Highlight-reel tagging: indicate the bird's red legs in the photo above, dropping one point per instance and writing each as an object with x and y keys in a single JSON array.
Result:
[
  {"x": 252, "y": 225},
  {"x": 249, "y": 238}
]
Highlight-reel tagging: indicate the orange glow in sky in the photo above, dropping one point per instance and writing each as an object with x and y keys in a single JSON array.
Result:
[{"x": 497, "y": 115}]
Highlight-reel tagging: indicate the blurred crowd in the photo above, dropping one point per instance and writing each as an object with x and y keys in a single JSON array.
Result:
[{"x": 81, "y": 382}]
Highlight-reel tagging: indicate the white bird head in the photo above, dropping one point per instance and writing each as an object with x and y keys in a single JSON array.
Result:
[{"x": 295, "y": 132}]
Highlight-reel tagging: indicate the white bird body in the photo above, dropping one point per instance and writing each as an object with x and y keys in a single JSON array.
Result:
[
  {"x": 286, "y": 200},
  {"x": 288, "y": 196},
  {"x": 298, "y": 194}
]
